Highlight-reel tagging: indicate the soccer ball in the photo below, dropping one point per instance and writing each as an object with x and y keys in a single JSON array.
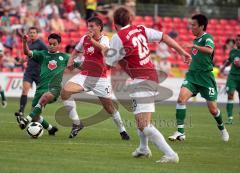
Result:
[{"x": 35, "y": 130}]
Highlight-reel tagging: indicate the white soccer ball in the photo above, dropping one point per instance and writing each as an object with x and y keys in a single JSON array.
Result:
[{"x": 35, "y": 130}]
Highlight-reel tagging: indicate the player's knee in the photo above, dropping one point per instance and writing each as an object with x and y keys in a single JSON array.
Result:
[
  {"x": 65, "y": 95},
  {"x": 181, "y": 100},
  {"x": 213, "y": 111},
  {"x": 44, "y": 100},
  {"x": 109, "y": 108},
  {"x": 230, "y": 96}
]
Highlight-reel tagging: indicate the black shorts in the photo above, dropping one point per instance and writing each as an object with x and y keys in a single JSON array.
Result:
[{"x": 31, "y": 77}]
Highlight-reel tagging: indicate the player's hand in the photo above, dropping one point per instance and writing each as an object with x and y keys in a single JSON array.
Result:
[
  {"x": 89, "y": 35},
  {"x": 25, "y": 38},
  {"x": 187, "y": 58}
]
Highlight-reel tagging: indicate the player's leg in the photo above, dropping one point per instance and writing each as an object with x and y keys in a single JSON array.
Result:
[
  {"x": 4, "y": 100},
  {"x": 148, "y": 131},
  {"x": 231, "y": 86},
  {"x": 186, "y": 92},
  {"x": 74, "y": 85},
  {"x": 229, "y": 107},
  {"x": 109, "y": 107},
  {"x": 27, "y": 84},
  {"x": 216, "y": 113}
]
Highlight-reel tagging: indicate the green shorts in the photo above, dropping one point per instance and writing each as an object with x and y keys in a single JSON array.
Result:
[
  {"x": 39, "y": 93},
  {"x": 233, "y": 83},
  {"x": 203, "y": 83}
]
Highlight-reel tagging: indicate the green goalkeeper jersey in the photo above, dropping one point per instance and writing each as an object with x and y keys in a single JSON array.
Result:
[
  {"x": 202, "y": 61},
  {"x": 52, "y": 68},
  {"x": 234, "y": 55}
]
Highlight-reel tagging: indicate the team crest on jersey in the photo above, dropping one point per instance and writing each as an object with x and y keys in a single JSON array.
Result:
[
  {"x": 90, "y": 50},
  {"x": 60, "y": 58},
  {"x": 52, "y": 64},
  {"x": 194, "y": 51}
]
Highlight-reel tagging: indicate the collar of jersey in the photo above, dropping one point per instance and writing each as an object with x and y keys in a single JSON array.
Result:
[
  {"x": 125, "y": 27},
  {"x": 53, "y": 53},
  {"x": 201, "y": 36}
]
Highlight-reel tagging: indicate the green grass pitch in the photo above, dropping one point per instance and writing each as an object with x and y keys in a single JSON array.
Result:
[{"x": 99, "y": 148}]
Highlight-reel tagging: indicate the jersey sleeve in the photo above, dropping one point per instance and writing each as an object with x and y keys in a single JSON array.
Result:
[
  {"x": 116, "y": 51},
  {"x": 153, "y": 35},
  {"x": 209, "y": 42},
  {"x": 79, "y": 46},
  {"x": 105, "y": 41},
  {"x": 38, "y": 56}
]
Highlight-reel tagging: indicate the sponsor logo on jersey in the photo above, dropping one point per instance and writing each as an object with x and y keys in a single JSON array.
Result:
[
  {"x": 60, "y": 58},
  {"x": 90, "y": 50},
  {"x": 52, "y": 64},
  {"x": 194, "y": 51}
]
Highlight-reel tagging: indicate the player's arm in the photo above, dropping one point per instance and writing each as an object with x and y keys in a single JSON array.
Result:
[
  {"x": 157, "y": 36},
  {"x": 227, "y": 63},
  {"x": 207, "y": 48},
  {"x": 26, "y": 49},
  {"x": 75, "y": 53},
  {"x": 103, "y": 46},
  {"x": 116, "y": 51}
]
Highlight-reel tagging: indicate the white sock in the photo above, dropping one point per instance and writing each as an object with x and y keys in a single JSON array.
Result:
[
  {"x": 29, "y": 118},
  {"x": 118, "y": 121},
  {"x": 143, "y": 140},
  {"x": 157, "y": 138},
  {"x": 70, "y": 105}
]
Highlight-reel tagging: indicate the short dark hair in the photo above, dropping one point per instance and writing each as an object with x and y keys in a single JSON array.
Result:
[
  {"x": 122, "y": 16},
  {"x": 96, "y": 20},
  {"x": 33, "y": 28},
  {"x": 201, "y": 20},
  {"x": 55, "y": 36}
]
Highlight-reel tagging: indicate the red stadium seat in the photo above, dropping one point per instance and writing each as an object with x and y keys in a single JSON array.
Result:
[
  {"x": 223, "y": 22},
  {"x": 213, "y": 21},
  {"x": 167, "y": 20},
  {"x": 4, "y": 69},
  {"x": 177, "y": 20}
]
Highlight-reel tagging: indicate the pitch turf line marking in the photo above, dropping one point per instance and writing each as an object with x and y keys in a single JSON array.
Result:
[{"x": 71, "y": 143}]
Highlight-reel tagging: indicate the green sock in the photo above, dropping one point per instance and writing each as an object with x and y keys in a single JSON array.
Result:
[
  {"x": 180, "y": 116},
  {"x": 36, "y": 111},
  {"x": 219, "y": 120},
  {"x": 45, "y": 124},
  {"x": 230, "y": 108},
  {"x": 2, "y": 95}
]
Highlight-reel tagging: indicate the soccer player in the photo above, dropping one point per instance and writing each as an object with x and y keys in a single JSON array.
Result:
[
  {"x": 4, "y": 100},
  {"x": 92, "y": 77},
  {"x": 199, "y": 78},
  {"x": 33, "y": 69},
  {"x": 132, "y": 53},
  {"x": 233, "y": 81},
  {"x": 52, "y": 64}
]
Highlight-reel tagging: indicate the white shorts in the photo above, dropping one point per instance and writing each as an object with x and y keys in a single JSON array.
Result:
[
  {"x": 101, "y": 87},
  {"x": 143, "y": 100}
]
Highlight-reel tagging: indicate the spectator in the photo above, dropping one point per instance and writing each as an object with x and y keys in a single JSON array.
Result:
[
  {"x": 162, "y": 50},
  {"x": 173, "y": 33},
  {"x": 91, "y": 6},
  {"x": 56, "y": 24},
  {"x": 8, "y": 60},
  {"x": 51, "y": 9},
  {"x": 165, "y": 65}
]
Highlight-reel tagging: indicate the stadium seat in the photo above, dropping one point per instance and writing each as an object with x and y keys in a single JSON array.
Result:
[
  {"x": 213, "y": 21},
  {"x": 4, "y": 69},
  {"x": 223, "y": 22},
  {"x": 17, "y": 69}
]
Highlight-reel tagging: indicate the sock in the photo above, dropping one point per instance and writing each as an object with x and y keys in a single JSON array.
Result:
[
  {"x": 219, "y": 120},
  {"x": 143, "y": 140},
  {"x": 23, "y": 102},
  {"x": 3, "y": 95},
  {"x": 45, "y": 124},
  {"x": 118, "y": 121},
  {"x": 70, "y": 105},
  {"x": 230, "y": 109},
  {"x": 157, "y": 138},
  {"x": 180, "y": 116},
  {"x": 36, "y": 111}
]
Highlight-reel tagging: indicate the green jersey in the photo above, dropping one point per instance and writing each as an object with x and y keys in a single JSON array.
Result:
[
  {"x": 202, "y": 61},
  {"x": 234, "y": 55},
  {"x": 52, "y": 68}
]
